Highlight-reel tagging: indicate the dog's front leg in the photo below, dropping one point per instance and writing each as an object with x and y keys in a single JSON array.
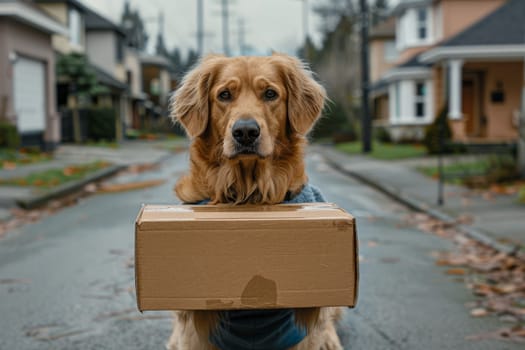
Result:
[{"x": 185, "y": 336}]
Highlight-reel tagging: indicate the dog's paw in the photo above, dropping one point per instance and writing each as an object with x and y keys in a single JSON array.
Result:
[
  {"x": 330, "y": 340},
  {"x": 331, "y": 345}
]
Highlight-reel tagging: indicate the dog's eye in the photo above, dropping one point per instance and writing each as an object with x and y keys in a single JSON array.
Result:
[
  {"x": 225, "y": 96},
  {"x": 270, "y": 95}
]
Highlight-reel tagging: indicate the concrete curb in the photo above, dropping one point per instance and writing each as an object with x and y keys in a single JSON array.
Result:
[
  {"x": 423, "y": 207},
  {"x": 68, "y": 188}
]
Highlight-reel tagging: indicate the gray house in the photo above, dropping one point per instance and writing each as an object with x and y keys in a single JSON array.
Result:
[{"x": 27, "y": 63}]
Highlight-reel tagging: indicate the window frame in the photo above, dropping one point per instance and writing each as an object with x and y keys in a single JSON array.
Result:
[
  {"x": 420, "y": 99},
  {"x": 422, "y": 23},
  {"x": 75, "y": 26}
]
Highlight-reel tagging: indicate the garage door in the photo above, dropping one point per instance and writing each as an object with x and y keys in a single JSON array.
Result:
[{"x": 30, "y": 107}]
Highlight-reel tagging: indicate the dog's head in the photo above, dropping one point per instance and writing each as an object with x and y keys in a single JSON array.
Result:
[{"x": 248, "y": 105}]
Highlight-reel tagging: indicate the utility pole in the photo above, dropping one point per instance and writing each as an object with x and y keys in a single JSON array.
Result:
[
  {"x": 521, "y": 125},
  {"x": 242, "y": 37},
  {"x": 366, "y": 122},
  {"x": 225, "y": 30},
  {"x": 200, "y": 27},
  {"x": 306, "y": 9}
]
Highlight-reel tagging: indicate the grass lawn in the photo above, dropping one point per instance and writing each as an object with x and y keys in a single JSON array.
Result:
[
  {"x": 54, "y": 177},
  {"x": 478, "y": 167},
  {"x": 12, "y": 158},
  {"x": 104, "y": 144},
  {"x": 456, "y": 173},
  {"x": 385, "y": 151}
]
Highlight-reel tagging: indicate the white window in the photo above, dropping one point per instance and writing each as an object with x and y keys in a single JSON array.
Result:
[
  {"x": 422, "y": 23},
  {"x": 391, "y": 53},
  {"x": 420, "y": 97},
  {"x": 75, "y": 27},
  {"x": 414, "y": 28}
]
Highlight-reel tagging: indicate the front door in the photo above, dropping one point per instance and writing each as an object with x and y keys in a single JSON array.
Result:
[
  {"x": 472, "y": 104},
  {"x": 469, "y": 111}
]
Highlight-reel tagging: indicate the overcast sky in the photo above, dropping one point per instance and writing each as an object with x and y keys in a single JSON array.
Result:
[{"x": 269, "y": 24}]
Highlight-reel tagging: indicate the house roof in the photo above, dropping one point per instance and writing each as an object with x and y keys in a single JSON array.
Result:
[
  {"x": 500, "y": 34},
  {"x": 26, "y": 12},
  {"x": 107, "y": 79},
  {"x": 504, "y": 26},
  {"x": 95, "y": 21},
  {"x": 414, "y": 61},
  {"x": 155, "y": 60},
  {"x": 385, "y": 29}
]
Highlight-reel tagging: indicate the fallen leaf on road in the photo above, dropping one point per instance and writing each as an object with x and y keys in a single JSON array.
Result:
[
  {"x": 90, "y": 188},
  {"x": 9, "y": 165},
  {"x": 372, "y": 244},
  {"x": 516, "y": 334},
  {"x": 140, "y": 168},
  {"x": 496, "y": 279},
  {"x": 478, "y": 312},
  {"x": 111, "y": 188},
  {"x": 456, "y": 272}
]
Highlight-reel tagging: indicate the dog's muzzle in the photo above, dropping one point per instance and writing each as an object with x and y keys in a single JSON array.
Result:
[{"x": 246, "y": 133}]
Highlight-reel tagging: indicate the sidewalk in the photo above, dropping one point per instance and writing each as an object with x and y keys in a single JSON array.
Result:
[
  {"x": 128, "y": 153},
  {"x": 497, "y": 219}
]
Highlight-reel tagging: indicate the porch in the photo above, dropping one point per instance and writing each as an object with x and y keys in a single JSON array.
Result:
[{"x": 484, "y": 99}]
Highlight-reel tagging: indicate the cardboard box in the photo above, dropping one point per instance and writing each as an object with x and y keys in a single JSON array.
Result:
[{"x": 211, "y": 257}]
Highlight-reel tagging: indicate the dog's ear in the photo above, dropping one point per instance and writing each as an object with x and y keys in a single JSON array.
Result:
[
  {"x": 306, "y": 97},
  {"x": 190, "y": 102}
]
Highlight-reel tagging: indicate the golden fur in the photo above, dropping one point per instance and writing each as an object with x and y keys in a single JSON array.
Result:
[{"x": 220, "y": 173}]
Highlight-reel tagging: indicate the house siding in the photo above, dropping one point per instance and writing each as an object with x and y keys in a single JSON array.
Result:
[
  {"x": 101, "y": 50},
  {"x": 61, "y": 43},
  {"x": 379, "y": 64},
  {"x": 460, "y": 14},
  {"x": 31, "y": 43}
]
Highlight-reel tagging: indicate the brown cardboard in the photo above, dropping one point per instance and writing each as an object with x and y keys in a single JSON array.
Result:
[{"x": 213, "y": 257}]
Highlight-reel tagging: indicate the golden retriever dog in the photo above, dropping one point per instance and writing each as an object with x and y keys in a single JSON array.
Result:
[{"x": 248, "y": 118}]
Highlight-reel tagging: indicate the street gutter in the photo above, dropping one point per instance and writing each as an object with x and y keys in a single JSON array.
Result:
[{"x": 423, "y": 207}]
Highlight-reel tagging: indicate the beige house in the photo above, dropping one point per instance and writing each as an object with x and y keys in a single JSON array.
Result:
[
  {"x": 157, "y": 84},
  {"x": 467, "y": 56},
  {"x": 69, "y": 13},
  {"x": 27, "y": 63}
]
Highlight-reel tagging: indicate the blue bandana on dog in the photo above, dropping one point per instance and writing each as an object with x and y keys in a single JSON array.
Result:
[{"x": 263, "y": 329}]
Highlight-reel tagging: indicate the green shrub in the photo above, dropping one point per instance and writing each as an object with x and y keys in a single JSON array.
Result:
[
  {"x": 334, "y": 124},
  {"x": 101, "y": 124},
  {"x": 9, "y": 137},
  {"x": 437, "y": 130},
  {"x": 501, "y": 168},
  {"x": 382, "y": 135}
]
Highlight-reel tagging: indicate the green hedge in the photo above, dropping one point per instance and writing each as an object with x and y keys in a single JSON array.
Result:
[
  {"x": 101, "y": 124},
  {"x": 9, "y": 137}
]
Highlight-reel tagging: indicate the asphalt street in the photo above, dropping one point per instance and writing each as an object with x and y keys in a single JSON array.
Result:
[{"x": 67, "y": 281}]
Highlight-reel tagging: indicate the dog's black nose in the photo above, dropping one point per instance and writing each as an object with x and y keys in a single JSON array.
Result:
[{"x": 246, "y": 131}]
